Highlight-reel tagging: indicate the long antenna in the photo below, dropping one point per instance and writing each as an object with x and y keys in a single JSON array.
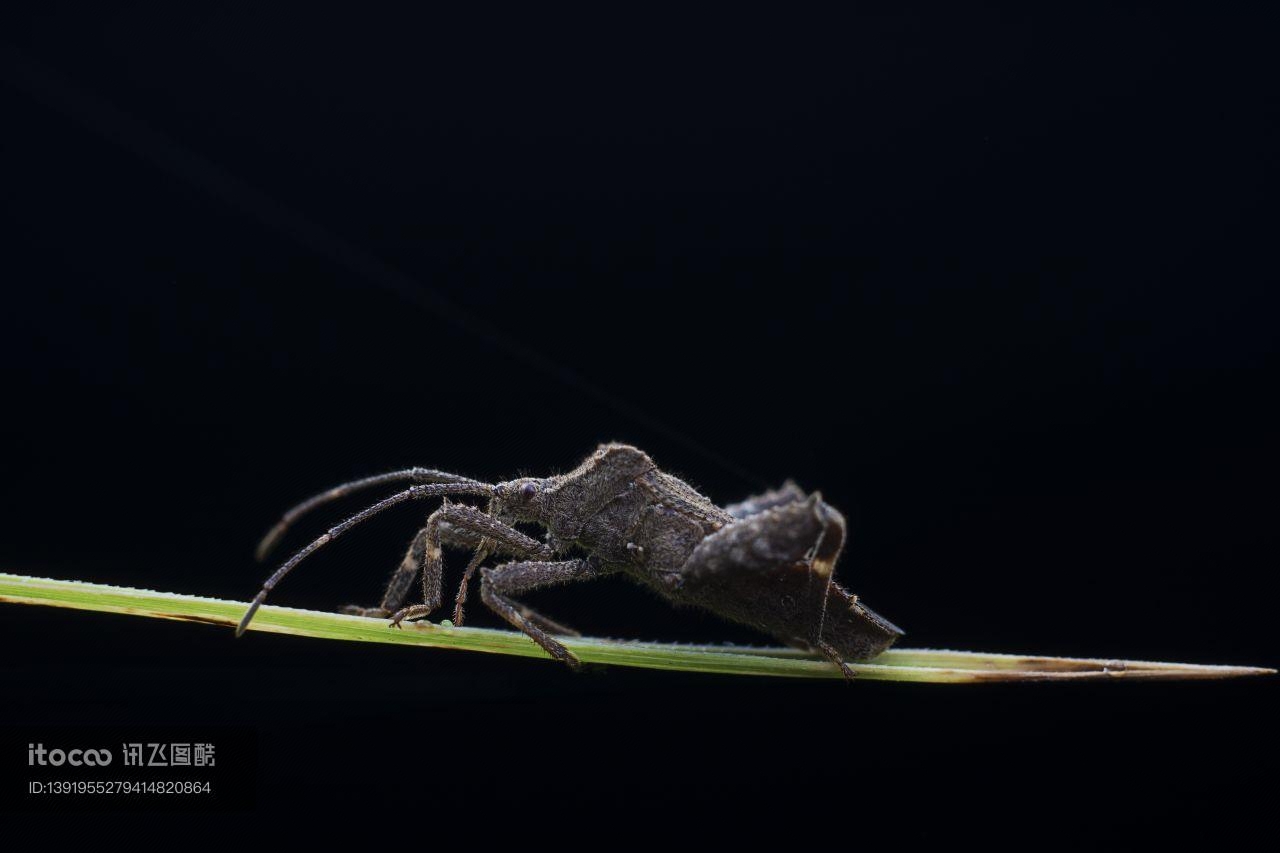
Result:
[
  {"x": 411, "y": 475},
  {"x": 419, "y": 492}
]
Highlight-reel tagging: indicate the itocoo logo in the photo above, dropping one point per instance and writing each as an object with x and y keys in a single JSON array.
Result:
[{"x": 37, "y": 754}]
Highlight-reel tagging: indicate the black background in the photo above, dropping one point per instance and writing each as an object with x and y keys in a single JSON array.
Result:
[{"x": 998, "y": 282}]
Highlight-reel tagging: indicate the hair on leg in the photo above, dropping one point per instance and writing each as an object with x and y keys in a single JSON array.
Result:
[{"x": 498, "y": 585}]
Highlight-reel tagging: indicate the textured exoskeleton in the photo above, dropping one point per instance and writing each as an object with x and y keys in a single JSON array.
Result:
[{"x": 767, "y": 562}]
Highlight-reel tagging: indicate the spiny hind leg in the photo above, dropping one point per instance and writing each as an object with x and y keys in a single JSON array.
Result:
[
  {"x": 500, "y": 584},
  {"x": 549, "y": 626},
  {"x": 822, "y": 567},
  {"x": 820, "y": 561},
  {"x": 774, "y": 569}
]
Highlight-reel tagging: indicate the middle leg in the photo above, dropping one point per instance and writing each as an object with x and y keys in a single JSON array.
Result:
[
  {"x": 498, "y": 585},
  {"x": 459, "y": 524}
]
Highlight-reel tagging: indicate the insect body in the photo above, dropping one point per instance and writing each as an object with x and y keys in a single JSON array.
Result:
[{"x": 767, "y": 562}]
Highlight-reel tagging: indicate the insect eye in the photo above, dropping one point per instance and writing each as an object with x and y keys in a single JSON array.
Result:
[{"x": 528, "y": 490}]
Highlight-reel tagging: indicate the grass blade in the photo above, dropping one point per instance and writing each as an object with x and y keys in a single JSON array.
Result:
[{"x": 922, "y": 665}]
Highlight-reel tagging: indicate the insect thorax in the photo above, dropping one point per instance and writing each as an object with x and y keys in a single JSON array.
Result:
[{"x": 651, "y": 525}]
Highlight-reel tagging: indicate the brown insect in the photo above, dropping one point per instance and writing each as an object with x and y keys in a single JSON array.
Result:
[{"x": 767, "y": 562}]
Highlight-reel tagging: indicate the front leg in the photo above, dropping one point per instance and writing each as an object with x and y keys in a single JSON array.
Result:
[
  {"x": 455, "y": 524},
  {"x": 499, "y": 584},
  {"x": 402, "y": 579},
  {"x": 414, "y": 560}
]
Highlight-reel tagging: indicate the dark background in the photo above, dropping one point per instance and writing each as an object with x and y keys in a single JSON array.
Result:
[{"x": 997, "y": 282}]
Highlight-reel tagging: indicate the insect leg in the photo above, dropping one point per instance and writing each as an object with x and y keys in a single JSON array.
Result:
[
  {"x": 465, "y": 521},
  {"x": 482, "y": 552},
  {"x": 416, "y": 492},
  {"x": 844, "y": 627},
  {"x": 401, "y": 582},
  {"x": 773, "y": 571},
  {"x": 499, "y": 584},
  {"x": 483, "y": 549},
  {"x": 822, "y": 565}
]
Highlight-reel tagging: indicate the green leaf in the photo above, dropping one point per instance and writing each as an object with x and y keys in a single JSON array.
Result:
[{"x": 924, "y": 665}]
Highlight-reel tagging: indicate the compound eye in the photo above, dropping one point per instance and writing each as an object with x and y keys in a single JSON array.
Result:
[{"x": 527, "y": 491}]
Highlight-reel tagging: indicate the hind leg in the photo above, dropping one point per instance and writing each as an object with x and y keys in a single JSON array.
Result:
[
  {"x": 822, "y": 566},
  {"x": 773, "y": 570}
]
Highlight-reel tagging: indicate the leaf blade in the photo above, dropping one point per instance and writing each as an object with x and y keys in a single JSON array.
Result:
[{"x": 916, "y": 665}]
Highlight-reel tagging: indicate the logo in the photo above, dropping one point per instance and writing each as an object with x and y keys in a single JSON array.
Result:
[{"x": 38, "y": 755}]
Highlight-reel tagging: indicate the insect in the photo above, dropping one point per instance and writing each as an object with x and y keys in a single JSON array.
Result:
[{"x": 767, "y": 562}]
